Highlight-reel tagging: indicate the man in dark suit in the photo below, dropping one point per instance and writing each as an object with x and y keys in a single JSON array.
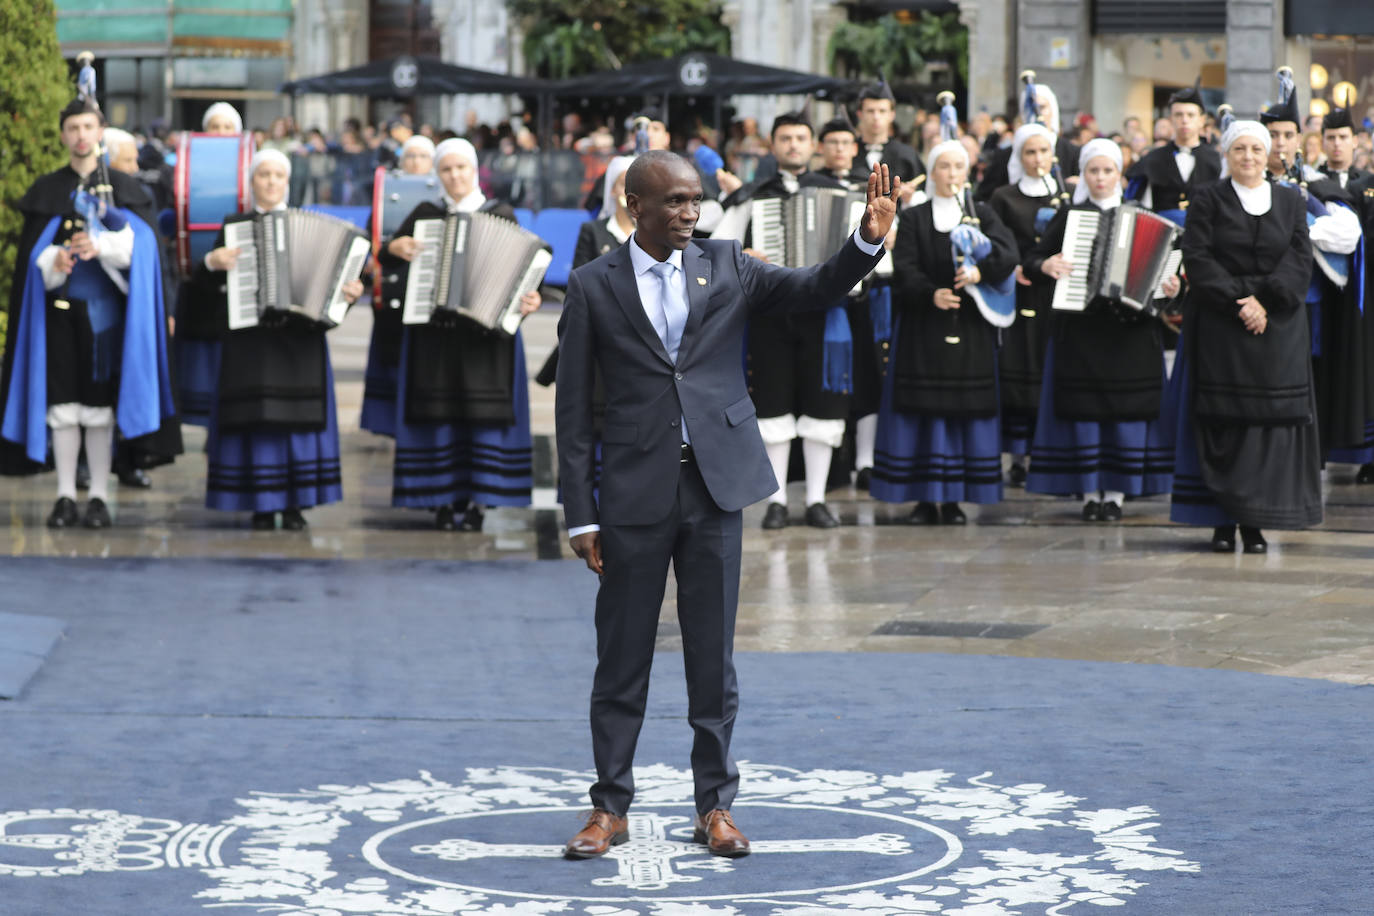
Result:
[
  {"x": 1338, "y": 142},
  {"x": 663, "y": 317}
]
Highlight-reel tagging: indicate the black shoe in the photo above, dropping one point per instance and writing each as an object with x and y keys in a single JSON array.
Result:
[
  {"x": 83, "y": 475},
  {"x": 1365, "y": 474},
  {"x": 472, "y": 519},
  {"x": 951, "y": 514},
  {"x": 63, "y": 514},
  {"x": 1224, "y": 539},
  {"x": 1016, "y": 475},
  {"x": 292, "y": 520},
  {"x": 924, "y": 514},
  {"x": 863, "y": 480},
  {"x": 135, "y": 477},
  {"x": 443, "y": 519},
  {"x": 775, "y": 518},
  {"x": 264, "y": 521},
  {"x": 819, "y": 516},
  {"x": 97, "y": 516},
  {"x": 1092, "y": 512},
  {"x": 1253, "y": 540},
  {"x": 1111, "y": 512}
]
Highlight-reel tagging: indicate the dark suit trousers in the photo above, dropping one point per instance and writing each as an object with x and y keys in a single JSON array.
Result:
[{"x": 703, "y": 544}]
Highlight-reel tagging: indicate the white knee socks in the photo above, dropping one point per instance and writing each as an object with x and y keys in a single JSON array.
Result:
[
  {"x": 66, "y": 446},
  {"x": 99, "y": 452},
  {"x": 817, "y": 457},
  {"x": 865, "y": 438},
  {"x": 778, "y": 455}
]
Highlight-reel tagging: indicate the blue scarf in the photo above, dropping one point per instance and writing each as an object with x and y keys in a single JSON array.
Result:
[
  {"x": 145, "y": 388},
  {"x": 837, "y": 356},
  {"x": 880, "y": 311}
]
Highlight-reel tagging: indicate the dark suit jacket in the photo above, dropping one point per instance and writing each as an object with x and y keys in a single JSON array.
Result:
[{"x": 604, "y": 324}]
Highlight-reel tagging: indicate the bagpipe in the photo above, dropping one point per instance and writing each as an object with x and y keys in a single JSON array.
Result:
[
  {"x": 968, "y": 245},
  {"x": 1335, "y": 266}
]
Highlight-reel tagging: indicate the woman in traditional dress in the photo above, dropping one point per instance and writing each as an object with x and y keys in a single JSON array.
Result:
[
  {"x": 273, "y": 443},
  {"x": 384, "y": 348},
  {"x": 1098, "y": 434},
  {"x": 938, "y": 428},
  {"x": 1026, "y": 206},
  {"x": 1247, "y": 449},
  {"x": 463, "y": 421}
]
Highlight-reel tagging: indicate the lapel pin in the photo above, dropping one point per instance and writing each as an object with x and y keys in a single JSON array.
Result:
[{"x": 701, "y": 281}]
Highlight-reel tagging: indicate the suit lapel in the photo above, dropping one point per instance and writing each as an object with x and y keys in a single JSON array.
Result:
[
  {"x": 697, "y": 269},
  {"x": 626, "y": 290}
]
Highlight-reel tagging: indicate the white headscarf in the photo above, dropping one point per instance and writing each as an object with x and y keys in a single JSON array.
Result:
[
  {"x": 1092, "y": 150},
  {"x": 222, "y": 108},
  {"x": 423, "y": 143},
  {"x": 939, "y": 149},
  {"x": 1015, "y": 170},
  {"x": 614, "y": 169},
  {"x": 455, "y": 145},
  {"x": 1240, "y": 129},
  {"x": 114, "y": 138},
  {"x": 1045, "y": 92}
]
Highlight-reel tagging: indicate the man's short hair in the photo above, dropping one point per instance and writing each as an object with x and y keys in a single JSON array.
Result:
[
  {"x": 789, "y": 119},
  {"x": 637, "y": 173}
]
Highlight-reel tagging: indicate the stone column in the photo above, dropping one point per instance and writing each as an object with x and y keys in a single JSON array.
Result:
[
  {"x": 1055, "y": 42},
  {"x": 1253, "y": 38},
  {"x": 347, "y": 24},
  {"x": 990, "y": 26},
  {"x": 477, "y": 34}
]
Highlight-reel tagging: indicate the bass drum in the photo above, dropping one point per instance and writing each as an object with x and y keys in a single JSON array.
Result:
[
  {"x": 394, "y": 196},
  {"x": 211, "y": 180}
]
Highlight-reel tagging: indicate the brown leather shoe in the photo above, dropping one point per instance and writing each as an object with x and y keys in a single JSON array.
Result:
[
  {"x": 717, "y": 830},
  {"x": 603, "y": 831}
]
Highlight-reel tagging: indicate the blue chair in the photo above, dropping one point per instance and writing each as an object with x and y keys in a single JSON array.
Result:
[{"x": 559, "y": 228}]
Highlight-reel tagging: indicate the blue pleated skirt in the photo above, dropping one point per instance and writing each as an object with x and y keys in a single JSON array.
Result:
[
  {"x": 1075, "y": 458},
  {"x": 269, "y": 471},
  {"x": 1018, "y": 432},
  {"x": 197, "y": 367},
  {"x": 438, "y": 464},
  {"x": 935, "y": 459},
  {"x": 380, "y": 383}
]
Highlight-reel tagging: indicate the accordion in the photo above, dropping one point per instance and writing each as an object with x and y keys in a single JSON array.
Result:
[
  {"x": 1124, "y": 254},
  {"x": 474, "y": 264},
  {"x": 292, "y": 261},
  {"x": 807, "y": 227}
]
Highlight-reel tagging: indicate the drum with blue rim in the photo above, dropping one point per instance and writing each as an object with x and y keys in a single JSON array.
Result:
[
  {"x": 394, "y": 195},
  {"x": 211, "y": 180}
]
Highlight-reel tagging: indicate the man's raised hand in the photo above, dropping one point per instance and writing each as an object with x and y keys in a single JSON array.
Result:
[{"x": 883, "y": 190}]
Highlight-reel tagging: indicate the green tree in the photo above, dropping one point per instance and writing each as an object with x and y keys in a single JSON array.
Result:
[
  {"x": 900, "y": 49},
  {"x": 35, "y": 87},
  {"x": 571, "y": 37}
]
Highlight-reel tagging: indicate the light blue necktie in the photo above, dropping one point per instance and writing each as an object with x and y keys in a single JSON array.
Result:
[
  {"x": 674, "y": 316},
  {"x": 670, "y": 300}
]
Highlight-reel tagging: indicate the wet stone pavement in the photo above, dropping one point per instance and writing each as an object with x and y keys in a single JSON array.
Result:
[{"x": 1024, "y": 578}]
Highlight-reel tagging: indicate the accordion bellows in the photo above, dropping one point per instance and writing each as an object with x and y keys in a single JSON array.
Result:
[
  {"x": 806, "y": 228},
  {"x": 292, "y": 260},
  {"x": 1124, "y": 254},
  {"x": 474, "y": 264}
]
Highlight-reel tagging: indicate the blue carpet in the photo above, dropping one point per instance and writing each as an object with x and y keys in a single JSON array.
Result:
[
  {"x": 409, "y": 739},
  {"x": 25, "y": 641}
]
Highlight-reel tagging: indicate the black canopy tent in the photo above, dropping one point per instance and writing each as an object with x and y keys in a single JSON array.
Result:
[{"x": 400, "y": 77}]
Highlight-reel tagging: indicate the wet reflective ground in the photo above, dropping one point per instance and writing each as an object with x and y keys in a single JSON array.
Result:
[{"x": 1025, "y": 577}]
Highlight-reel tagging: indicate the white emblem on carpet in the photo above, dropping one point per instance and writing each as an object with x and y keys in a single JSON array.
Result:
[{"x": 842, "y": 840}]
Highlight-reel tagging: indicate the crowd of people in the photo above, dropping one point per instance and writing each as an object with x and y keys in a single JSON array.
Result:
[{"x": 947, "y": 358}]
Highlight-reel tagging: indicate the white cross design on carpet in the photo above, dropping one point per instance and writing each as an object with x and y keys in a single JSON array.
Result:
[{"x": 648, "y": 862}]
